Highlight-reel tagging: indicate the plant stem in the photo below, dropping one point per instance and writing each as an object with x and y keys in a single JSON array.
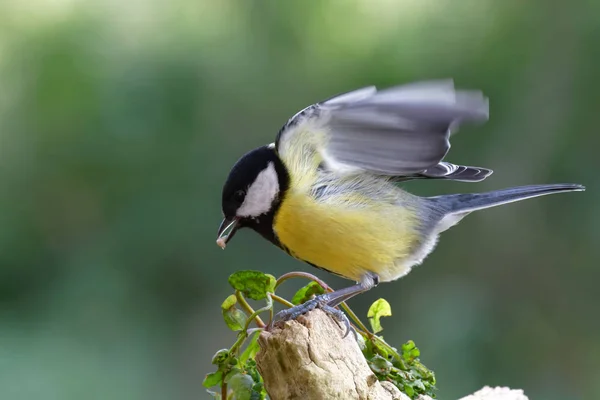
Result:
[
  {"x": 282, "y": 300},
  {"x": 254, "y": 330},
  {"x": 389, "y": 348},
  {"x": 271, "y": 311},
  {"x": 254, "y": 315},
  {"x": 223, "y": 391},
  {"x": 242, "y": 336},
  {"x": 298, "y": 274},
  {"x": 240, "y": 298},
  {"x": 355, "y": 318}
]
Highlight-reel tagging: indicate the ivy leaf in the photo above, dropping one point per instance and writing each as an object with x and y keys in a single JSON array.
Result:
[
  {"x": 405, "y": 371},
  {"x": 410, "y": 351},
  {"x": 252, "y": 370},
  {"x": 213, "y": 379},
  {"x": 254, "y": 284},
  {"x": 229, "y": 302},
  {"x": 380, "y": 365},
  {"x": 220, "y": 357},
  {"x": 362, "y": 342},
  {"x": 234, "y": 317},
  {"x": 258, "y": 392},
  {"x": 306, "y": 292},
  {"x": 380, "y": 308},
  {"x": 233, "y": 372},
  {"x": 251, "y": 349},
  {"x": 409, "y": 391},
  {"x": 380, "y": 349},
  {"x": 241, "y": 384}
]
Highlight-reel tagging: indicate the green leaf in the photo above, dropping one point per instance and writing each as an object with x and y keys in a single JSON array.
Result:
[
  {"x": 229, "y": 302},
  {"x": 380, "y": 349},
  {"x": 214, "y": 395},
  {"x": 258, "y": 392},
  {"x": 380, "y": 365},
  {"x": 306, "y": 292},
  {"x": 213, "y": 379},
  {"x": 220, "y": 357},
  {"x": 233, "y": 360},
  {"x": 254, "y": 284},
  {"x": 234, "y": 317},
  {"x": 409, "y": 391},
  {"x": 380, "y": 308},
  {"x": 404, "y": 371},
  {"x": 241, "y": 384},
  {"x": 234, "y": 371},
  {"x": 410, "y": 351},
  {"x": 251, "y": 348},
  {"x": 362, "y": 342}
]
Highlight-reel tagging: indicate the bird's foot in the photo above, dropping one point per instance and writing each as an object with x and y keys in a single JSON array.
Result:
[{"x": 318, "y": 302}]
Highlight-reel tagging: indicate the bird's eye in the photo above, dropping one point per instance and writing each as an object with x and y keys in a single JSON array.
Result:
[{"x": 239, "y": 195}]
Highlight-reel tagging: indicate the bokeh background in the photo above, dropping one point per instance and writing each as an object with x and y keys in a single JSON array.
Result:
[{"x": 119, "y": 121}]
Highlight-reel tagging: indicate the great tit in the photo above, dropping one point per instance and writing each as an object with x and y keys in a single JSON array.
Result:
[{"x": 326, "y": 191}]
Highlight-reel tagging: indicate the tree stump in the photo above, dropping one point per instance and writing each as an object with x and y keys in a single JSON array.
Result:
[{"x": 309, "y": 358}]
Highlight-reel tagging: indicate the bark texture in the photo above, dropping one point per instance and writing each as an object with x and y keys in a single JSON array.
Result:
[{"x": 309, "y": 359}]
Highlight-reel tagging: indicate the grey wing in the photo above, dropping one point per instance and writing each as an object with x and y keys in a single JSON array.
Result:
[{"x": 401, "y": 132}]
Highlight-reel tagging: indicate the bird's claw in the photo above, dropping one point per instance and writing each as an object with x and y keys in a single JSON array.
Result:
[{"x": 317, "y": 302}]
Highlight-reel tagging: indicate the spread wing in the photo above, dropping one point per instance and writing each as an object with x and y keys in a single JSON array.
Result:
[{"x": 402, "y": 132}]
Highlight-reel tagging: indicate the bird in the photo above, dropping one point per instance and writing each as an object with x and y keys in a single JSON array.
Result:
[{"x": 328, "y": 190}]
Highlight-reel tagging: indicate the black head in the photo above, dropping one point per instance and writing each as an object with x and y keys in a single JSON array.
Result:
[{"x": 252, "y": 193}]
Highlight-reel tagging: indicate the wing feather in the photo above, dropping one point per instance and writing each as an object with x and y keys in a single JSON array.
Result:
[{"x": 401, "y": 132}]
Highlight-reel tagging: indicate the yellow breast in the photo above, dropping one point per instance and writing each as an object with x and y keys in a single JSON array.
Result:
[{"x": 346, "y": 238}]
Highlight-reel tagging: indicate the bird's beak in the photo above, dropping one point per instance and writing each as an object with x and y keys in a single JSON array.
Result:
[{"x": 226, "y": 231}]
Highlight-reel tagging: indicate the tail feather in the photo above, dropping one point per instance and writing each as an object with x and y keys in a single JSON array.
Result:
[{"x": 466, "y": 203}]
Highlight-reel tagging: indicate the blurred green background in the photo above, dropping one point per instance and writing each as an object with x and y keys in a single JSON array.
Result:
[{"x": 119, "y": 122}]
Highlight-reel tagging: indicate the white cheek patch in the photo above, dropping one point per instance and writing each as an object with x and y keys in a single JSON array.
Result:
[{"x": 261, "y": 193}]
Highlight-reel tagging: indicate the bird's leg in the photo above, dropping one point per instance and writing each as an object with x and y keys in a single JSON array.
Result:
[{"x": 328, "y": 301}]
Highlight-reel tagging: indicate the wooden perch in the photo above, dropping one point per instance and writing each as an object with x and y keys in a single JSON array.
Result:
[{"x": 309, "y": 359}]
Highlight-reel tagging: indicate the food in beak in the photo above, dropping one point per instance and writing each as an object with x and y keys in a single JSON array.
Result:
[
  {"x": 226, "y": 231},
  {"x": 221, "y": 243}
]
